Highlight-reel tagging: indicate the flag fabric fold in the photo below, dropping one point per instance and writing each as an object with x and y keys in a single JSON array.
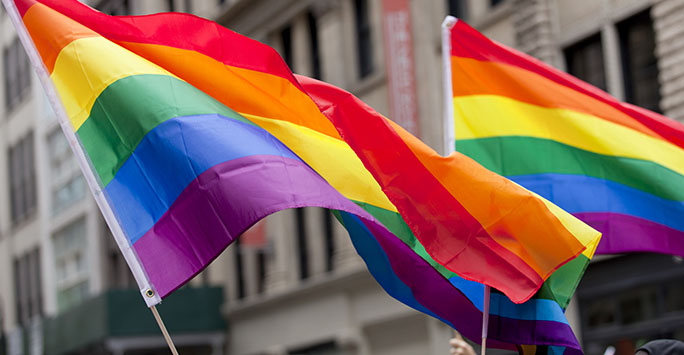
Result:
[
  {"x": 196, "y": 133},
  {"x": 615, "y": 166}
]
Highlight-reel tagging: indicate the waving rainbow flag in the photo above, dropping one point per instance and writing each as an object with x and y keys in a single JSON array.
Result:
[
  {"x": 617, "y": 167},
  {"x": 195, "y": 133}
]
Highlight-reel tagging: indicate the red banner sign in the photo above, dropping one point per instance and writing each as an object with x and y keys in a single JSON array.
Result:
[{"x": 396, "y": 19}]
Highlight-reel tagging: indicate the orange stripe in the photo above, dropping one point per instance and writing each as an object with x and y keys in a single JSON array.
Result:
[
  {"x": 266, "y": 95},
  {"x": 51, "y": 32},
  {"x": 243, "y": 90},
  {"x": 474, "y": 77},
  {"x": 509, "y": 218}
]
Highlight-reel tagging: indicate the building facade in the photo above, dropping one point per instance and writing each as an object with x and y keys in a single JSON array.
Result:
[{"x": 294, "y": 284}]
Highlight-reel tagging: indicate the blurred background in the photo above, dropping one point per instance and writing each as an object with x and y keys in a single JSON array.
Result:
[{"x": 293, "y": 284}]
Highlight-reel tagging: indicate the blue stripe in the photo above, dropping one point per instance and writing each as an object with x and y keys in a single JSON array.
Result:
[
  {"x": 579, "y": 193},
  {"x": 171, "y": 156},
  {"x": 534, "y": 309},
  {"x": 378, "y": 264},
  {"x": 556, "y": 350}
]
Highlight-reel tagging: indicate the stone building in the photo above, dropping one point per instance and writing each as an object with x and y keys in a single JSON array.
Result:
[{"x": 295, "y": 285}]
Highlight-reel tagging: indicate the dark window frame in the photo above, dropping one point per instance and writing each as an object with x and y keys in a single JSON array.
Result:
[
  {"x": 581, "y": 61},
  {"x": 22, "y": 180},
  {"x": 601, "y": 294},
  {"x": 17, "y": 72},
  {"x": 314, "y": 48},
  {"x": 239, "y": 270},
  {"x": 28, "y": 287},
  {"x": 115, "y": 7},
  {"x": 286, "y": 45},
  {"x": 304, "y": 270},
  {"x": 364, "y": 40},
  {"x": 329, "y": 234},
  {"x": 458, "y": 8},
  {"x": 641, "y": 84}
]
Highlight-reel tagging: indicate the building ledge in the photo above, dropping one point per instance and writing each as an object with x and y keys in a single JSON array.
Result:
[
  {"x": 122, "y": 314},
  {"x": 329, "y": 283}
]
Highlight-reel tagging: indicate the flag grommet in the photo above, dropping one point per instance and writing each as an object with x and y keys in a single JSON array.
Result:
[{"x": 149, "y": 293}]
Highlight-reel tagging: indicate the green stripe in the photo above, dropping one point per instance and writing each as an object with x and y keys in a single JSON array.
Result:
[
  {"x": 555, "y": 288},
  {"x": 396, "y": 224},
  {"x": 513, "y": 155},
  {"x": 131, "y": 107}
]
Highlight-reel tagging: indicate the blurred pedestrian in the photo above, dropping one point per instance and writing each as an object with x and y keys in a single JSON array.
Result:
[
  {"x": 459, "y": 346},
  {"x": 662, "y": 347}
]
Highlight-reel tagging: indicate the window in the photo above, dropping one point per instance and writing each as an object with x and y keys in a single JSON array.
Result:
[
  {"x": 329, "y": 348},
  {"x": 585, "y": 61},
  {"x": 329, "y": 234},
  {"x": 261, "y": 257},
  {"x": 363, "y": 38},
  {"x": 17, "y": 74},
  {"x": 67, "y": 183},
  {"x": 642, "y": 305},
  {"x": 286, "y": 42},
  {"x": 71, "y": 265},
  {"x": 28, "y": 287},
  {"x": 458, "y": 8},
  {"x": 314, "y": 51},
  {"x": 115, "y": 7},
  {"x": 117, "y": 274},
  {"x": 302, "y": 244},
  {"x": 239, "y": 270},
  {"x": 639, "y": 62},
  {"x": 22, "y": 176}
]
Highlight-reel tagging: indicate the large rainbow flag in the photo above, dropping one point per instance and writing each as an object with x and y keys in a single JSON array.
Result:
[
  {"x": 195, "y": 133},
  {"x": 617, "y": 167}
]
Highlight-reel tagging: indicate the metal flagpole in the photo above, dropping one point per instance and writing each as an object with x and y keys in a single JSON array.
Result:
[{"x": 151, "y": 298}]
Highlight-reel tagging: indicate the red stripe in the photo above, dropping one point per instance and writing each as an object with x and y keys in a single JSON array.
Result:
[
  {"x": 173, "y": 30},
  {"x": 469, "y": 43},
  {"x": 449, "y": 233},
  {"x": 23, "y": 5}
]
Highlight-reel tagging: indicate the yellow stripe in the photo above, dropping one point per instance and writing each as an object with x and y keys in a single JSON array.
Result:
[
  {"x": 588, "y": 236},
  {"x": 482, "y": 116},
  {"x": 87, "y": 66},
  {"x": 347, "y": 174}
]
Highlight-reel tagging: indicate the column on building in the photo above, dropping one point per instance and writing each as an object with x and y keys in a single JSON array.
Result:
[
  {"x": 280, "y": 231},
  {"x": 535, "y": 34},
  {"x": 667, "y": 17},
  {"x": 330, "y": 21}
]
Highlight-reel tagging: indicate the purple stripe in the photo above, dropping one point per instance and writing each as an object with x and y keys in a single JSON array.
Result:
[
  {"x": 438, "y": 294},
  {"x": 625, "y": 234},
  {"x": 222, "y": 203},
  {"x": 202, "y": 222}
]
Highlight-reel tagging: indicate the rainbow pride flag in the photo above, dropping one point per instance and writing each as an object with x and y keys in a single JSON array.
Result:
[
  {"x": 617, "y": 167},
  {"x": 195, "y": 133}
]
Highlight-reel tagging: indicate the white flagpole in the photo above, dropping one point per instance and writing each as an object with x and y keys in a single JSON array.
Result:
[
  {"x": 449, "y": 134},
  {"x": 485, "y": 319},
  {"x": 450, "y": 138},
  {"x": 165, "y": 332},
  {"x": 150, "y": 297}
]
